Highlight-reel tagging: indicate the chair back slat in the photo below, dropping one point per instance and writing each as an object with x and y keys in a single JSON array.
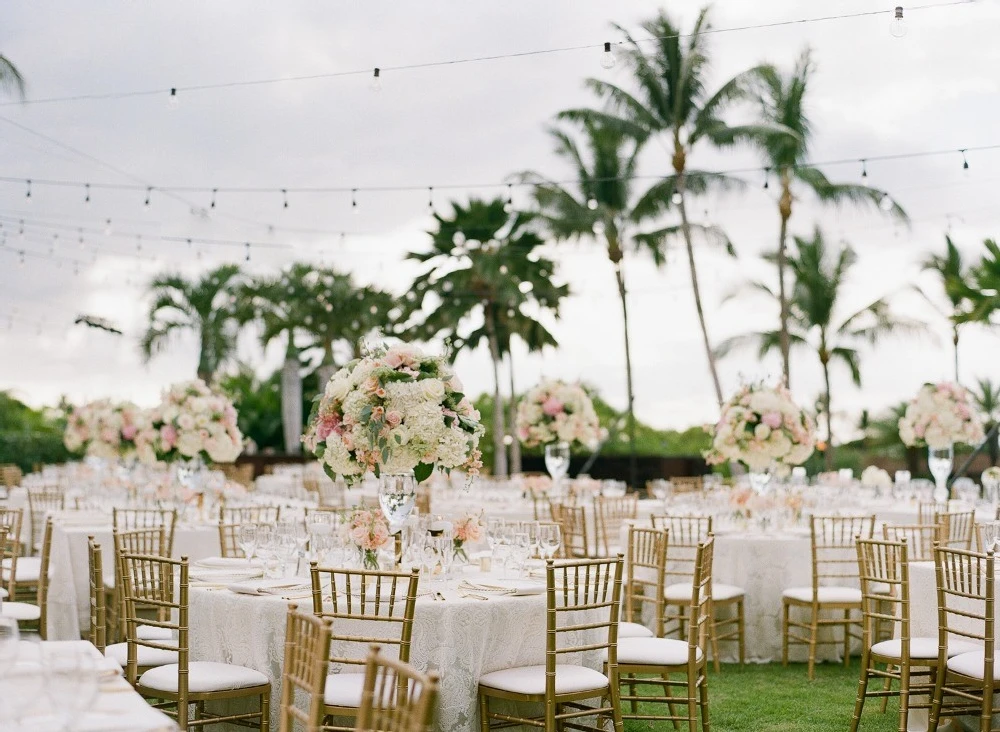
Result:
[
  {"x": 129, "y": 519},
  {"x": 686, "y": 534},
  {"x": 249, "y": 515},
  {"x": 966, "y": 593},
  {"x": 573, "y": 520},
  {"x": 98, "y": 601},
  {"x": 42, "y": 501},
  {"x": 883, "y": 569},
  {"x": 956, "y": 529},
  {"x": 919, "y": 539},
  {"x": 10, "y": 549},
  {"x": 700, "y": 609},
  {"x": 834, "y": 553},
  {"x": 366, "y": 607}
]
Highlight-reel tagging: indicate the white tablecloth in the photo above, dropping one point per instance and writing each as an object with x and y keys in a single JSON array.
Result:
[
  {"x": 118, "y": 708},
  {"x": 460, "y": 639}
]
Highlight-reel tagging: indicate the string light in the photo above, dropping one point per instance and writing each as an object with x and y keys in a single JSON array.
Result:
[
  {"x": 27, "y": 193},
  {"x": 508, "y": 205},
  {"x": 676, "y": 198},
  {"x": 212, "y": 204},
  {"x": 86, "y": 200},
  {"x": 248, "y": 251},
  {"x": 592, "y": 204},
  {"x": 897, "y": 26},
  {"x": 430, "y": 198},
  {"x": 354, "y": 200},
  {"x": 965, "y": 161},
  {"x": 376, "y": 83},
  {"x": 599, "y": 227},
  {"x": 284, "y": 198},
  {"x": 174, "y": 101},
  {"x": 107, "y": 227},
  {"x": 864, "y": 168},
  {"x": 149, "y": 193},
  {"x": 767, "y": 176},
  {"x": 885, "y": 203},
  {"x": 608, "y": 57}
]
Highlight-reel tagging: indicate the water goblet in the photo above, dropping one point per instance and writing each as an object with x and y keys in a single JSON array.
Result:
[
  {"x": 246, "y": 537},
  {"x": 521, "y": 550},
  {"x": 551, "y": 539},
  {"x": 71, "y": 682}
]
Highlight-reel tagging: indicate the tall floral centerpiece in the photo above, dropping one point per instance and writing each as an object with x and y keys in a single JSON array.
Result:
[
  {"x": 763, "y": 428},
  {"x": 109, "y": 430},
  {"x": 399, "y": 414},
  {"x": 939, "y": 416}
]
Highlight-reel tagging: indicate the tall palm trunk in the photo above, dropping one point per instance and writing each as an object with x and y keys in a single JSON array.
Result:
[
  {"x": 291, "y": 400},
  {"x": 328, "y": 368},
  {"x": 679, "y": 156},
  {"x": 615, "y": 255},
  {"x": 515, "y": 445},
  {"x": 785, "y": 208},
  {"x": 204, "y": 359},
  {"x": 824, "y": 359},
  {"x": 499, "y": 449}
]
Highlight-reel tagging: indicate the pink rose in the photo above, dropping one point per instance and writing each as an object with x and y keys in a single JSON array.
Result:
[
  {"x": 552, "y": 406},
  {"x": 169, "y": 435},
  {"x": 393, "y": 359},
  {"x": 772, "y": 420},
  {"x": 393, "y": 418},
  {"x": 128, "y": 432},
  {"x": 370, "y": 384}
]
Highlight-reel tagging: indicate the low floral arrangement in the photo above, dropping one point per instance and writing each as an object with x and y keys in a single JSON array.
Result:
[
  {"x": 746, "y": 503},
  {"x": 875, "y": 477},
  {"x": 763, "y": 428},
  {"x": 939, "y": 416},
  {"x": 108, "y": 430},
  {"x": 468, "y": 528},
  {"x": 395, "y": 411},
  {"x": 557, "y": 412},
  {"x": 537, "y": 485},
  {"x": 193, "y": 422},
  {"x": 368, "y": 530}
]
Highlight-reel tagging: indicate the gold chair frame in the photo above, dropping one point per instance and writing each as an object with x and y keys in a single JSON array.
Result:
[
  {"x": 98, "y": 596},
  {"x": 41, "y": 502},
  {"x": 919, "y": 538},
  {"x": 249, "y": 515},
  {"x": 413, "y": 696},
  {"x": 609, "y": 516},
  {"x": 307, "y": 651}
]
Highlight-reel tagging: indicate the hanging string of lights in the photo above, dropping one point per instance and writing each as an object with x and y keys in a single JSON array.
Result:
[{"x": 897, "y": 28}]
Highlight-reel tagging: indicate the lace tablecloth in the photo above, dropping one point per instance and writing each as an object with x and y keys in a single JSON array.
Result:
[{"x": 460, "y": 639}]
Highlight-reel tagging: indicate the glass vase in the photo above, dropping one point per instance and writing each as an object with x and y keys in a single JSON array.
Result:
[
  {"x": 557, "y": 463},
  {"x": 397, "y": 494},
  {"x": 939, "y": 462}
]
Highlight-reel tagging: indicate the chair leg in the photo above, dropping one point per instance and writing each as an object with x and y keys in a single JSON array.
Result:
[
  {"x": 859, "y": 703},
  {"x": 813, "y": 637},
  {"x": 847, "y": 638},
  {"x": 703, "y": 696},
  {"x": 784, "y": 633},
  {"x": 670, "y": 703},
  {"x": 265, "y": 711},
  {"x": 484, "y": 713},
  {"x": 741, "y": 631},
  {"x": 692, "y": 711},
  {"x": 616, "y": 708},
  {"x": 935, "y": 713},
  {"x": 904, "y": 697},
  {"x": 886, "y": 687},
  {"x": 631, "y": 691},
  {"x": 713, "y": 638}
]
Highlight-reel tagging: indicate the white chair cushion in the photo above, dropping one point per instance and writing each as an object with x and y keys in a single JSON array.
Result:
[
  {"x": 203, "y": 677},
  {"x": 634, "y": 630},
  {"x": 21, "y": 611},
  {"x": 653, "y": 652},
  {"x": 3, "y": 594},
  {"x": 144, "y": 655},
  {"x": 920, "y": 648},
  {"x": 28, "y": 568},
  {"x": 681, "y": 592},
  {"x": 531, "y": 679},
  {"x": 825, "y": 594},
  {"x": 152, "y": 633},
  {"x": 344, "y": 690},
  {"x": 972, "y": 664}
]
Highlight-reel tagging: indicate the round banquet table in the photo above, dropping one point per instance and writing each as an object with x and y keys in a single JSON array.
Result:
[{"x": 460, "y": 639}]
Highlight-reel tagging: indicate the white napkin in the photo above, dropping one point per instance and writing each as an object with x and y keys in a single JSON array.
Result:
[
  {"x": 223, "y": 562},
  {"x": 284, "y": 586}
]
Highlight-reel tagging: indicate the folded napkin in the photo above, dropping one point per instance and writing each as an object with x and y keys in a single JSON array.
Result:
[
  {"x": 504, "y": 587},
  {"x": 216, "y": 576},
  {"x": 284, "y": 586},
  {"x": 224, "y": 562}
]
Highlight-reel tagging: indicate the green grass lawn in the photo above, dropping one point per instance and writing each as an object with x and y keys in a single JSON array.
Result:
[{"x": 770, "y": 698}]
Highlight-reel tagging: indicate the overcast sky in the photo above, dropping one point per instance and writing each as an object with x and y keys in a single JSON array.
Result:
[{"x": 937, "y": 88}]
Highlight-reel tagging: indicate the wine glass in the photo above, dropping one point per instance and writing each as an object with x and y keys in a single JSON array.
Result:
[
  {"x": 551, "y": 539},
  {"x": 246, "y": 536},
  {"x": 521, "y": 550},
  {"x": 557, "y": 460},
  {"x": 71, "y": 681}
]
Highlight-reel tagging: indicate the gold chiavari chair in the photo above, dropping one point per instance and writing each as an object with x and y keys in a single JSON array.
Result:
[
  {"x": 12, "y": 565},
  {"x": 41, "y": 502},
  {"x": 229, "y": 543},
  {"x": 43, "y": 579},
  {"x": 919, "y": 539},
  {"x": 182, "y": 682},
  {"x": 573, "y": 520},
  {"x": 98, "y": 596},
  {"x": 128, "y": 519},
  {"x": 687, "y": 484},
  {"x": 885, "y": 587},
  {"x": 250, "y": 515},
  {"x": 927, "y": 511},
  {"x": 396, "y": 697},
  {"x": 242, "y": 474},
  {"x": 10, "y": 476},
  {"x": 663, "y": 657},
  {"x": 955, "y": 530},
  {"x": 150, "y": 541},
  {"x": 835, "y": 586},
  {"x": 966, "y": 591},
  {"x": 645, "y": 579},
  {"x": 307, "y": 652},
  {"x": 22, "y": 612},
  {"x": 365, "y": 607},
  {"x": 687, "y": 533},
  {"x": 609, "y": 516},
  {"x": 591, "y": 585}
]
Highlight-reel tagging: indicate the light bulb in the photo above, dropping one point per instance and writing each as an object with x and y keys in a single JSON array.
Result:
[
  {"x": 608, "y": 57},
  {"x": 897, "y": 26},
  {"x": 599, "y": 227},
  {"x": 885, "y": 203},
  {"x": 107, "y": 227},
  {"x": 174, "y": 101},
  {"x": 676, "y": 198},
  {"x": 376, "y": 85},
  {"x": 592, "y": 204},
  {"x": 86, "y": 200}
]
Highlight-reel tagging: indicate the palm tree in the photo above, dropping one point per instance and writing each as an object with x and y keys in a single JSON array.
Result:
[
  {"x": 602, "y": 207},
  {"x": 206, "y": 306},
  {"x": 984, "y": 294},
  {"x": 954, "y": 275},
  {"x": 815, "y": 318},
  {"x": 782, "y": 101},
  {"x": 483, "y": 266},
  {"x": 673, "y": 102},
  {"x": 987, "y": 396},
  {"x": 309, "y": 309},
  {"x": 10, "y": 78}
]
